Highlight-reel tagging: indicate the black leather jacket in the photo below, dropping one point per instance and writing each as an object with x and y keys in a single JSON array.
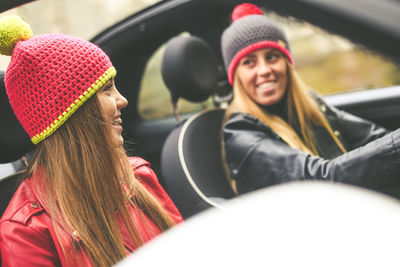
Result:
[{"x": 258, "y": 157}]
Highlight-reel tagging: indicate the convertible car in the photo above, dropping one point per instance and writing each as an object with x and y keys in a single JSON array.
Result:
[{"x": 170, "y": 69}]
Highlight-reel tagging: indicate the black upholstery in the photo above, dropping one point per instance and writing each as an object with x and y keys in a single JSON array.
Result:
[
  {"x": 191, "y": 162},
  {"x": 189, "y": 68},
  {"x": 8, "y": 186},
  {"x": 14, "y": 143}
]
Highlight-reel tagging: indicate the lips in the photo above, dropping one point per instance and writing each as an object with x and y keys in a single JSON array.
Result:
[
  {"x": 117, "y": 122},
  {"x": 267, "y": 88},
  {"x": 117, "y": 125},
  {"x": 266, "y": 85}
]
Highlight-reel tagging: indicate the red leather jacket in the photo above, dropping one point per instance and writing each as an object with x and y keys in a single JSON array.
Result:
[{"x": 27, "y": 235}]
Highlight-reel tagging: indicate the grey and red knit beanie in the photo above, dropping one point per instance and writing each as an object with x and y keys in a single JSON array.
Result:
[
  {"x": 249, "y": 31},
  {"x": 50, "y": 75}
]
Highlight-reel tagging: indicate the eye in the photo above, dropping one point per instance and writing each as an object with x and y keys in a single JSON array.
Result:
[
  {"x": 108, "y": 86},
  {"x": 273, "y": 57},
  {"x": 247, "y": 61}
]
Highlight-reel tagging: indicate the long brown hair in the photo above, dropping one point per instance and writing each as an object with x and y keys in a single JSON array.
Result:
[
  {"x": 83, "y": 179},
  {"x": 302, "y": 109}
]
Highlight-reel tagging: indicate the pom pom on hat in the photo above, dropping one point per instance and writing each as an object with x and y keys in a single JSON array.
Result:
[
  {"x": 245, "y": 9},
  {"x": 12, "y": 30}
]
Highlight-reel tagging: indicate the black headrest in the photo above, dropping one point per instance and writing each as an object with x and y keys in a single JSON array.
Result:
[
  {"x": 14, "y": 141},
  {"x": 189, "y": 68}
]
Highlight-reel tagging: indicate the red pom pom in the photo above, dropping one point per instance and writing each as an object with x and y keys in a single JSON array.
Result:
[{"x": 245, "y": 9}]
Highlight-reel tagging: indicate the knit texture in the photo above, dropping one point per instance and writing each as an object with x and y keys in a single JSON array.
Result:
[
  {"x": 248, "y": 34},
  {"x": 50, "y": 76}
]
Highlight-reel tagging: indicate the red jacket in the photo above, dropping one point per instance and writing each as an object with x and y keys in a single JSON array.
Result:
[{"x": 28, "y": 238}]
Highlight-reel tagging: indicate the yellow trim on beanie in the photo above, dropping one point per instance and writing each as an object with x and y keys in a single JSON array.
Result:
[{"x": 110, "y": 73}]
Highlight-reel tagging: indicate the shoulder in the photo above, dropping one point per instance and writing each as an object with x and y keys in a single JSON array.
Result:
[
  {"x": 23, "y": 205},
  {"x": 247, "y": 128},
  {"x": 26, "y": 218},
  {"x": 240, "y": 120},
  {"x": 145, "y": 175},
  {"x": 244, "y": 134},
  {"x": 138, "y": 162},
  {"x": 143, "y": 172}
]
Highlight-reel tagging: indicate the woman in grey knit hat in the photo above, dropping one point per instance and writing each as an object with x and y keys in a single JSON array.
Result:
[{"x": 276, "y": 130}]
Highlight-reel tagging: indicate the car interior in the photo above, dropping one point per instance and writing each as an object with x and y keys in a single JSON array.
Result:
[
  {"x": 197, "y": 180},
  {"x": 184, "y": 149},
  {"x": 139, "y": 36},
  {"x": 14, "y": 143}
]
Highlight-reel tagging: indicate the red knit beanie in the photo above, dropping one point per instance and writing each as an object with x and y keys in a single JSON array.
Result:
[{"x": 50, "y": 76}]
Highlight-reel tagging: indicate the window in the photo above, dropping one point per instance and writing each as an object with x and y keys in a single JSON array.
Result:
[{"x": 331, "y": 64}]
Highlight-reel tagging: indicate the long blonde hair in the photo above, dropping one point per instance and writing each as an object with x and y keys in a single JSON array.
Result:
[
  {"x": 302, "y": 109},
  {"x": 83, "y": 180}
]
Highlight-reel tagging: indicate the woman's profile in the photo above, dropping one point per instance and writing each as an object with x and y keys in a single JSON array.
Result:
[
  {"x": 277, "y": 130},
  {"x": 82, "y": 202}
]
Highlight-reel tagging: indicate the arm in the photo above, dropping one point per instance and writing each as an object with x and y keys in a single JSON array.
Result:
[
  {"x": 355, "y": 131},
  {"x": 258, "y": 158},
  {"x": 21, "y": 245},
  {"x": 359, "y": 131}
]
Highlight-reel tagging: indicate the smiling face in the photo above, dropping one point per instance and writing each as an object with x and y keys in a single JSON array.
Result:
[
  {"x": 111, "y": 103},
  {"x": 263, "y": 74}
]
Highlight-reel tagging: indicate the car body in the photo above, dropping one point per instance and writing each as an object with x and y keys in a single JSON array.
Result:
[{"x": 134, "y": 41}]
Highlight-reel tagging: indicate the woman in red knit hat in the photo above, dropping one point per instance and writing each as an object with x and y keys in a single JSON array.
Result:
[
  {"x": 83, "y": 202},
  {"x": 276, "y": 130}
]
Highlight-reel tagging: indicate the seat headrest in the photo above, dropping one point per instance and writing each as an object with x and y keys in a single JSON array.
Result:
[
  {"x": 189, "y": 68},
  {"x": 14, "y": 141}
]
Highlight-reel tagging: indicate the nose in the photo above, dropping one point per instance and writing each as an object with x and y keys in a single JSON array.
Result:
[
  {"x": 121, "y": 101},
  {"x": 264, "y": 68}
]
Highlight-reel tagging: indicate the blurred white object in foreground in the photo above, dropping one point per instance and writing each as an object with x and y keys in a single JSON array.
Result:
[{"x": 295, "y": 224}]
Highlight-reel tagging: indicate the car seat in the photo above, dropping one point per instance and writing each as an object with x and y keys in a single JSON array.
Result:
[
  {"x": 191, "y": 161},
  {"x": 14, "y": 144}
]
